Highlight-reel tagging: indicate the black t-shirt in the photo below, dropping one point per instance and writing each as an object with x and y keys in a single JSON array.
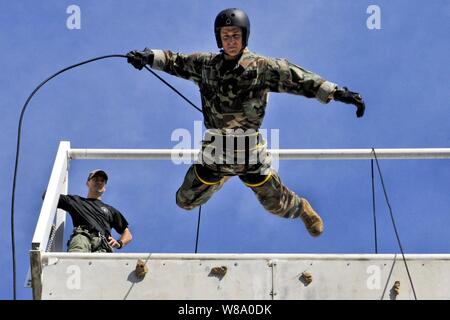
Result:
[{"x": 93, "y": 213}]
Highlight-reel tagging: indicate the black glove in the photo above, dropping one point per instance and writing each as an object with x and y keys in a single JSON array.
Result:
[
  {"x": 346, "y": 96},
  {"x": 140, "y": 58}
]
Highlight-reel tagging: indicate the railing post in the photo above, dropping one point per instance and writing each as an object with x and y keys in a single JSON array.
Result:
[
  {"x": 56, "y": 186},
  {"x": 60, "y": 223}
]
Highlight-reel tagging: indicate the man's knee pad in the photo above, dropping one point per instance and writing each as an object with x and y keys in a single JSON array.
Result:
[
  {"x": 255, "y": 179},
  {"x": 206, "y": 175}
]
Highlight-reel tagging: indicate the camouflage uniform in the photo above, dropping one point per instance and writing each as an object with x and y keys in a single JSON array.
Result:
[{"x": 235, "y": 98}]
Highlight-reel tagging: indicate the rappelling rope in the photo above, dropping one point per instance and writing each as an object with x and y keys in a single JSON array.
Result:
[{"x": 393, "y": 222}]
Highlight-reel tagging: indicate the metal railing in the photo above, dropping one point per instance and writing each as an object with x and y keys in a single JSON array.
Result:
[
  {"x": 282, "y": 154},
  {"x": 58, "y": 183}
]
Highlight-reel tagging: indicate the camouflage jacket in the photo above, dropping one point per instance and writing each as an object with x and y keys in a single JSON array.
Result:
[{"x": 236, "y": 98}]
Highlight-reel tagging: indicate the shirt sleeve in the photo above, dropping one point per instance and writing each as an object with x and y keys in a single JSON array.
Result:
[
  {"x": 64, "y": 202},
  {"x": 119, "y": 222},
  {"x": 283, "y": 76},
  {"x": 181, "y": 65}
]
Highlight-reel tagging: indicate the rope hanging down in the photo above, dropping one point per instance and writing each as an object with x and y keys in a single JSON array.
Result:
[
  {"x": 198, "y": 227},
  {"x": 393, "y": 223},
  {"x": 19, "y": 131}
]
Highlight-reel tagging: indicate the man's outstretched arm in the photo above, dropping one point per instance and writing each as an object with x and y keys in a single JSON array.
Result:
[
  {"x": 178, "y": 64},
  {"x": 284, "y": 76}
]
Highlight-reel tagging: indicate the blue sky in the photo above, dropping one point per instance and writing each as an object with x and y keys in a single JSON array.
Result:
[{"x": 401, "y": 70}]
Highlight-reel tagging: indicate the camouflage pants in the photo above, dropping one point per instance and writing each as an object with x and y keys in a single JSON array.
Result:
[
  {"x": 82, "y": 240},
  {"x": 200, "y": 183}
]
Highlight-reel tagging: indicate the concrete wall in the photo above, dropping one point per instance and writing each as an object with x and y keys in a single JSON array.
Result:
[{"x": 243, "y": 276}]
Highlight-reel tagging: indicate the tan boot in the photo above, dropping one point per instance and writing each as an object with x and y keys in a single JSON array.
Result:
[{"x": 311, "y": 219}]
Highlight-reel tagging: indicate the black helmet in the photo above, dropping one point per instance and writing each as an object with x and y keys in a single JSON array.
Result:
[{"x": 232, "y": 18}]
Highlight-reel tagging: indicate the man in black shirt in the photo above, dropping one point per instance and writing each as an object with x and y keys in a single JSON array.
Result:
[{"x": 94, "y": 219}]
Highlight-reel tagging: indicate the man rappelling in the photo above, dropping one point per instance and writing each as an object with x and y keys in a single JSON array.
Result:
[{"x": 234, "y": 86}]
